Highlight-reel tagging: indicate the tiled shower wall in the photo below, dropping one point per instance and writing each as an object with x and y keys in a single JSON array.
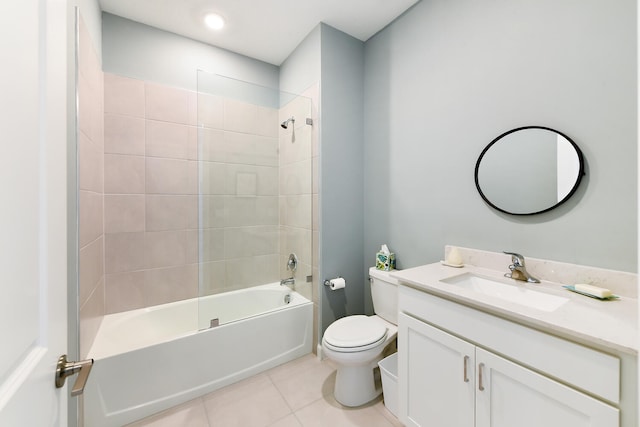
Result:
[
  {"x": 153, "y": 164},
  {"x": 239, "y": 172},
  {"x": 90, "y": 195},
  {"x": 150, "y": 185}
]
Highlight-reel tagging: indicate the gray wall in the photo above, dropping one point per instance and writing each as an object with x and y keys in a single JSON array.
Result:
[
  {"x": 341, "y": 173},
  {"x": 136, "y": 50},
  {"x": 301, "y": 69},
  {"x": 447, "y": 77}
]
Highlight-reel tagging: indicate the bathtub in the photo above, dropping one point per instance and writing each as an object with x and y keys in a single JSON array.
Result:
[{"x": 150, "y": 359}]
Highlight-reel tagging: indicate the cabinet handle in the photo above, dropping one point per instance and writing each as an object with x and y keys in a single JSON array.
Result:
[
  {"x": 466, "y": 361},
  {"x": 480, "y": 368}
]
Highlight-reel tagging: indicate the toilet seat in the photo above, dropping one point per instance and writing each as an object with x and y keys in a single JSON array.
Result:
[{"x": 354, "y": 333}]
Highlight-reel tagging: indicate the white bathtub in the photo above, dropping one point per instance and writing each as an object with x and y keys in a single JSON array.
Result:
[{"x": 150, "y": 359}]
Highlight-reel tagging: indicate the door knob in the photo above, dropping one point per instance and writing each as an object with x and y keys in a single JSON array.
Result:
[{"x": 65, "y": 368}]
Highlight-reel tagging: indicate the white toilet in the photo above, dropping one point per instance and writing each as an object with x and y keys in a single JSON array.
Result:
[{"x": 357, "y": 343}]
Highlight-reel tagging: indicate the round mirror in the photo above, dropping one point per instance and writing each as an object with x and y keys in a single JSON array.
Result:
[{"x": 529, "y": 170}]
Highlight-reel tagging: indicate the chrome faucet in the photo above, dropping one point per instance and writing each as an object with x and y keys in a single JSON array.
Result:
[
  {"x": 518, "y": 271},
  {"x": 289, "y": 281}
]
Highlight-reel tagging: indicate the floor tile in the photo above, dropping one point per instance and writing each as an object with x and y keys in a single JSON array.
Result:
[
  {"x": 251, "y": 403},
  {"x": 304, "y": 382},
  {"x": 190, "y": 414},
  {"x": 326, "y": 412},
  {"x": 288, "y": 421}
]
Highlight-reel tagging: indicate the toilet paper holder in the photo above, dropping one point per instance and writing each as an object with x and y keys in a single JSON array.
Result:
[{"x": 327, "y": 282}]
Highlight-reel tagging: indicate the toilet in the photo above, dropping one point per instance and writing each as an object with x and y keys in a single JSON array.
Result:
[{"x": 357, "y": 343}]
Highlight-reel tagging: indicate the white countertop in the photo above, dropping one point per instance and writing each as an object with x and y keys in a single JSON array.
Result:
[{"x": 611, "y": 324}]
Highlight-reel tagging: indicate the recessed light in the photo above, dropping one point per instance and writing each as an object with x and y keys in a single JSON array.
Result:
[{"x": 214, "y": 21}]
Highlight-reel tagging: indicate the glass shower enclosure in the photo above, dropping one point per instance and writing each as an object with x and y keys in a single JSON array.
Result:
[{"x": 255, "y": 187}]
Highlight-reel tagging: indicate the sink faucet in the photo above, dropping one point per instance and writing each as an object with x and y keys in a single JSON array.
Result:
[
  {"x": 289, "y": 281},
  {"x": 518, "y": 271}
]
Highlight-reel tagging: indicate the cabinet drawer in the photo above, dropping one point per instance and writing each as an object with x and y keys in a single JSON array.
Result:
[{"x": 592, "y": 371}]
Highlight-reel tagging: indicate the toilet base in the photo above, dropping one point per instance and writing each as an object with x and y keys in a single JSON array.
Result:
[{"x": 355, "y": 385}]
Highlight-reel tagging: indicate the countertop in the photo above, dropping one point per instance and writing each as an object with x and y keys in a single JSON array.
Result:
[{"x": 610, "y": 324}]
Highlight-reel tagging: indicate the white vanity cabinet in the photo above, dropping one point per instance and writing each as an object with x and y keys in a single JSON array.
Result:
[{"x": 461, "y": 367}]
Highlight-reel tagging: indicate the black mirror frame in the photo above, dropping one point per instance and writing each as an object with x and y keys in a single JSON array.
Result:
[{"x": 581, "y": 172}]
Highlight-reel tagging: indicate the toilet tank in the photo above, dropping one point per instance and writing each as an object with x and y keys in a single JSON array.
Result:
[{"x": 384, "y": 292}]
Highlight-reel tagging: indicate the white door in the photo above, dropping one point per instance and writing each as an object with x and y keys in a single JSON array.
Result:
[
  {"x": 436, "y": 374},
  {"x": 510, "y": 395},
  {"x": 33, "y": 214}
]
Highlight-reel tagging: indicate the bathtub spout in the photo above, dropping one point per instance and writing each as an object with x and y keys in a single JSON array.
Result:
[{"x": 289, "y": 281}]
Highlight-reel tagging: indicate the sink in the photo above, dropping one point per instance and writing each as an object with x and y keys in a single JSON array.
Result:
[{"x": 517, "y": 294}]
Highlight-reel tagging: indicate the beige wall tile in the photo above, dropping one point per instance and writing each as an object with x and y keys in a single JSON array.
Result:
[
  {"x": 211, "y": 145},
  {"x": 123, "y": 95},
  {"x": 295, "y": 178},
  {"x": 166, "y": 103},
  {"x": 124, "y": 134},
  {"x": 213, "y": 278},
  {"x": 265, "y": 180},
  {"x": 252, "y": 271},
  {"x": 191, "y": 203},
  {"x": 297, "y": 241},
  {"x": 166, "y": 176},
  {"x": 124, "y": 252},
  {"x": 192, "y": 143},
  {"x": 193, "y": 177},
  {"x": 192, "y": 106},
  {"x": 89, "y": 110},
  {"x": 315, "y": 209},
  {"x": 167, "y": 212},
  {"x": 168, "y": 140},
  {"x": 240, "y": 116},
  {"x": 247, "y": 211},
  {"x": 212, "y": 244},
  {"x": 210, "y": 111},
  {"x": 91, "y": 315},
  {"x": 124, "y": 174},
  {"x": 266, "y": 151},
  {"x": 213, "y": 211},
  {"x": 164, "y": 285},
  {"x": 250, "y": 241},
  {"x": 192, "y": 237},
  {"x": 213, "y": 177},
  {"x": 91, "y": 268},
  {"x": 90, "y": 217},
  {"x": 267, "y": 122},
  {"x": 165, "y": 248},
  {"x": 296, "y": 211},
  {"x": 124, "y": 213},
  {"x": 292, "y": 151},
  {"x": 238, "y": 147},
  {"x": 124, "y": 291},
  {"x": 90, "y": 165}
]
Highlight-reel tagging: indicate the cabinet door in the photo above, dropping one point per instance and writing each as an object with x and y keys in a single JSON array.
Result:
[
  {"x": 436, "y": 376},
  {"x": 510, "y": 395}
]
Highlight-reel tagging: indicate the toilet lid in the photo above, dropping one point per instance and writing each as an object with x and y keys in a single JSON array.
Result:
[{"x": 354, "y": 331}]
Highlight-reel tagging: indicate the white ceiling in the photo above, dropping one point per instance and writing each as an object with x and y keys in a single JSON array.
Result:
[{"x": 268, "y": 30}]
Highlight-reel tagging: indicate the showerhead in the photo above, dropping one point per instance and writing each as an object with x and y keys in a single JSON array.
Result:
[{"x": 285, "y": 124}]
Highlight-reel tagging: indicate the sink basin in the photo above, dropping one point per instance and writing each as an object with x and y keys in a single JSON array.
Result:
[{"x": 514, "y": 293}]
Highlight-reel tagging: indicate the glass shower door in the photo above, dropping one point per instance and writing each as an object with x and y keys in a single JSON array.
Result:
[{"x": 254, "y": 195}]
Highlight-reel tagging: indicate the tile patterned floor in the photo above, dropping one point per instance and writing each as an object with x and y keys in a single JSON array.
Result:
[{"x": 298, "y": 393}]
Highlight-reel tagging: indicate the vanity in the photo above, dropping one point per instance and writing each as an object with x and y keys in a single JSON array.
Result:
[{"x": 479, "y": 349}]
